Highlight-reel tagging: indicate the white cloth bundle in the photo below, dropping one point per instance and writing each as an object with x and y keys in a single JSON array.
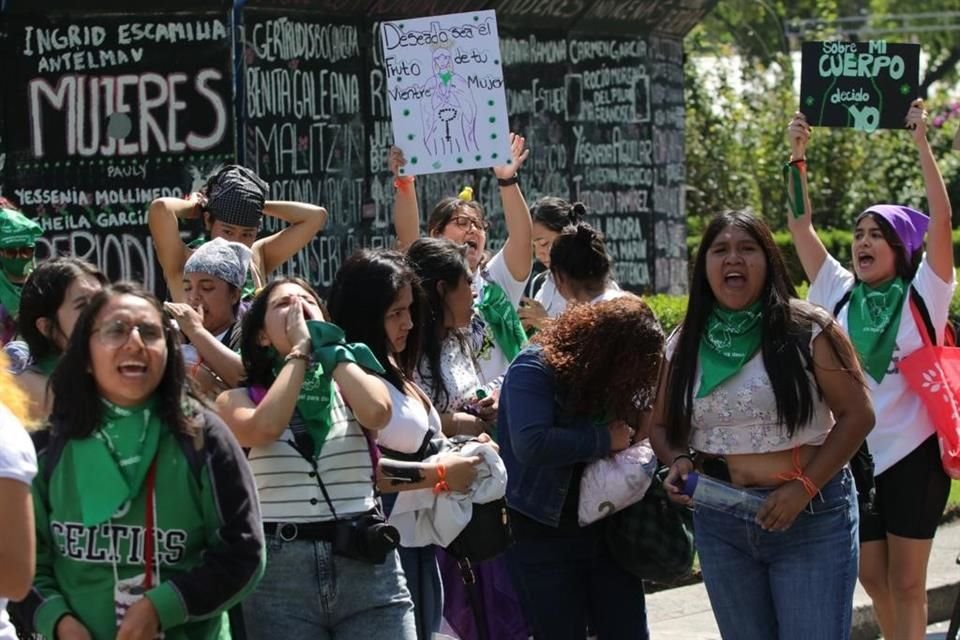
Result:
[
  {"x": 612, "y": 483},
  {"x": 423, "y": 517}
]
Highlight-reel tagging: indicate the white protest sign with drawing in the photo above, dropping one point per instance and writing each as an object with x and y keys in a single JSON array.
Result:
[{"x": 447, "y": 101}]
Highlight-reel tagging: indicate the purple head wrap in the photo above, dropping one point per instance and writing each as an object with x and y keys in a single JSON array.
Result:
[{"x": 909, "y": 224}]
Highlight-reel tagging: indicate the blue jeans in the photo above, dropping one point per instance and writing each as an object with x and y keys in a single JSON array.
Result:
[
  {"x": 790, "y": 585},
  {"x": 567, "y": 582},
  {"x": 307, "y": 592}
]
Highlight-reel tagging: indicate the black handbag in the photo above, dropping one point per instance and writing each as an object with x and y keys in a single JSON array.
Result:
[{"x": 653, "y": 539}]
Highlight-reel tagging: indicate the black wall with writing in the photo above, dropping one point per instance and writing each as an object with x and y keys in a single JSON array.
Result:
[{"x": 109, "y": 111}]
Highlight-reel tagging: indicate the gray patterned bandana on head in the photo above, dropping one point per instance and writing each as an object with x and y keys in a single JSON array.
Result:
[
  {"x": 221, "y": 259},
  {"x": 236, "y": 195}
]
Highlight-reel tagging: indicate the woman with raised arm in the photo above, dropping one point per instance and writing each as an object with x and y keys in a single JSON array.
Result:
[
  {"x": 332, "y": 567},
  {"x": 762, "y": 390},
  {"x": 496, "y": 333},
  {"x": 376, "y": 300},
  {"x": 891, "y": 271},
  {"x": 232, "y": 203},
  {"x": 54, "y": 296}
]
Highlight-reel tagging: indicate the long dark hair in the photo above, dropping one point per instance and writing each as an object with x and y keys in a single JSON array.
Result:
[
  {"x": 786, "y": 330},
  {"x": 580, "y": 254},
  {"x": 436, "y": 260},
  {"x": 77, "y": 407},
  {"x": 557, "y": 214},
  {"x": 365, "y": 287},
  {"x": 906, "y": 266},
  {"x": 42, "y": 295},
  {"x": 258, "y": 360},
  {"x": 604, "y": 355}
]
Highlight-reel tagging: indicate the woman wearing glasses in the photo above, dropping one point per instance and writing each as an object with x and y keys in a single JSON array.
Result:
[
  {"x": 147, "y": 514},
  {"x": 498, "y": 284},
  {"x": 18, "y": 237}
]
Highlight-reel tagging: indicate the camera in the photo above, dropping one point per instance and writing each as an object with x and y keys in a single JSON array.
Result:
[{"x": 367, "y": 538}]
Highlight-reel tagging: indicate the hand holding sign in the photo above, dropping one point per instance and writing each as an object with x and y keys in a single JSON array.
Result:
[
  {"x": 798, "y": 133},
  {"x": 917, "y": 121}
]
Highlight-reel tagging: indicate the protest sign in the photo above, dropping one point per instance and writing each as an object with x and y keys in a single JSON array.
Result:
[
  {"x": 445, "y": 82},
  {"x": 861, "y": 85}
]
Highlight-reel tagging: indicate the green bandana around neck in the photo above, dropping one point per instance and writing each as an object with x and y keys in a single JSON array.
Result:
[
  {"x": 730, "y": 340},
  {"x": 315, "y": 402},
  {"x": 112, "y": 464},
  {"x": 873, "y": 320},
  {"x": 500, "y": 315},
  {"x": 9, "y": 295}
]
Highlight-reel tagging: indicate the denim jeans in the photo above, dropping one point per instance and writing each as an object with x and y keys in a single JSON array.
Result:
[
  {"x": 789, "y": 585},
  {"x": 567, "y": 582},
  {"x": 423, "y": 580},
  {"x": 307, "y": 592}
]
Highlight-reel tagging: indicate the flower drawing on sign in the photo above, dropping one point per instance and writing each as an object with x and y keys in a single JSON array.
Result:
[{"x": 931, "y": 381}]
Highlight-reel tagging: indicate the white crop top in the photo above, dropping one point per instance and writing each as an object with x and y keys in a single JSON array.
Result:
[
  {"x": 740, "y": 415},
  {"x": 409, "y": 423}
]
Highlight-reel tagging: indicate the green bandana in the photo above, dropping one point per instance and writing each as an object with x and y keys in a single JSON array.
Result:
[
  {"x": 112, "y": 464},
  {"x": 316, "y": 395},
  {"x": 17, "y": 230},
  {"x": 730, "y": 340},
  {"x": 502, "y": 318},
  {"x": 249, "y": 290},
  {"x": 9, "y": 295},
  {"x": 873, "y": 321}
]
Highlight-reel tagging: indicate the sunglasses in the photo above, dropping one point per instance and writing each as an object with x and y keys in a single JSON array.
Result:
[
  {"x": 465, "y": 222},
  {"x": 115, "y": 334},
  {"x": 17, "y": 252}
]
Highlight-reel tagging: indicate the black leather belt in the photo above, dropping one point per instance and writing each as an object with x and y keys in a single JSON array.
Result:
[{"x": 290, "y": 531}]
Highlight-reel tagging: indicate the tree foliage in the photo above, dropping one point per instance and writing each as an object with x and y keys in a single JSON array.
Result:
[{"x": 737, "y": 118}]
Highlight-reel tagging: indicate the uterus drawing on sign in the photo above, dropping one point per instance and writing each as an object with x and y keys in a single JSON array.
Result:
[{"x": 448, "y": 108}]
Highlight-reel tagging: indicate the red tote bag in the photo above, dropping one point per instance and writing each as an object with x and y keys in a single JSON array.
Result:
[{"x": 933, "y": 373}]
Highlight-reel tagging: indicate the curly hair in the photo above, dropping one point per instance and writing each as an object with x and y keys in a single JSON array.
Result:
[{"x": 605, "y": 356}]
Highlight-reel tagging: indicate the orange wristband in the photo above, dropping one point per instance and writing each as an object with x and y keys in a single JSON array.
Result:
[
  {"x": 441, "y": 485},
  {"x": 404, "y": 184}
]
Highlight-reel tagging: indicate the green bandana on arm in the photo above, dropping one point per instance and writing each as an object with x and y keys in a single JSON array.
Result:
[
  {"x": 316, "y": 395},
  {"x": 873, "y": 320},
  {"x": 731, "y": 339},
  {"x": 500, "y": 315},
  {"x": 112, "y": 463}
]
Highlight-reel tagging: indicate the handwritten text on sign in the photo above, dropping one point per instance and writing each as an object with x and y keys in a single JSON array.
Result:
[
  {"x": 445, "y": 81},
  {"x": 862, "y": 85}
]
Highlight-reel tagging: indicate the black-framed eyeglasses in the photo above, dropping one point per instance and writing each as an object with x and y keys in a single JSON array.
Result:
[
  {"x": 465, "y": 222},
  {"x": 116, "y": 333}
]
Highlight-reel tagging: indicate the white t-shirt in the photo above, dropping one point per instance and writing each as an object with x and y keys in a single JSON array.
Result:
[
  {"x": 902, "y": 420},
  {"x": 18, "y": 461},
  {"x": 550, "y": 298},
  {"x": 490, "y": 358},
  {"x": 612, "y": 292}
]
